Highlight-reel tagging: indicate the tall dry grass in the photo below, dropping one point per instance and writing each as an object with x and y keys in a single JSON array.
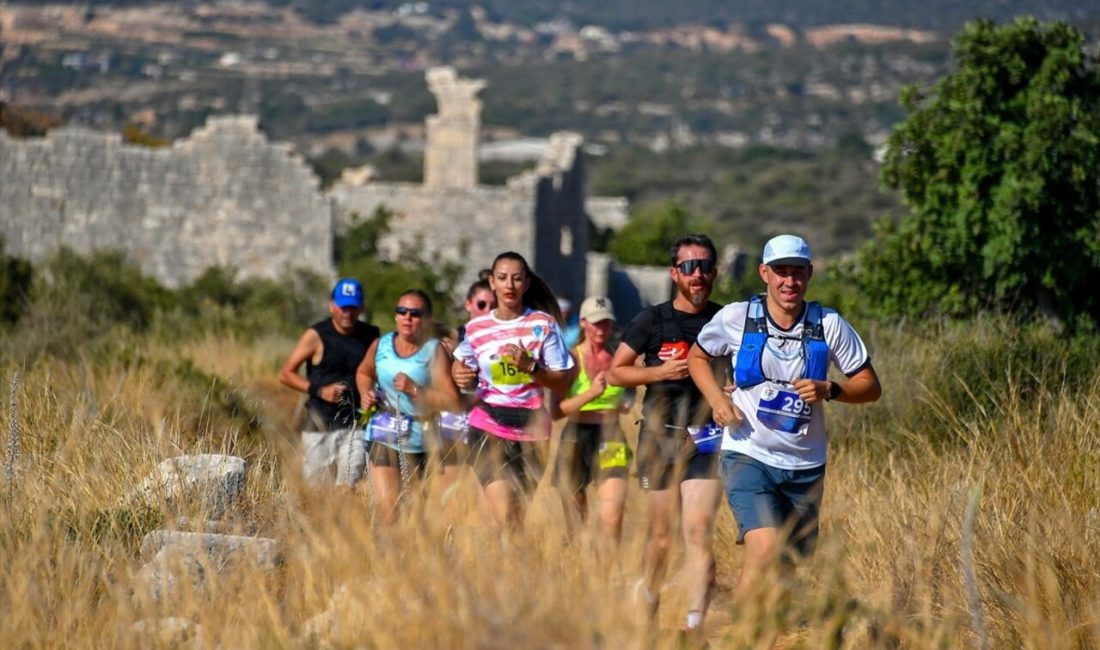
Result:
[{"x": 972, "y": 416}]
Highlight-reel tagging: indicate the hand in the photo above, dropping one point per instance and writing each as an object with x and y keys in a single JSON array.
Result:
[
  {"x": 811, "y": 391},
  {"x": 599, "y": 384},
  {"x": 519, "y": 357},
  {"x": 465, "y": 377},
  {"x": 726, "y": 414},
  {"x": 403, "y": 383},
  {"x": 673, "y": 369},
  {"x": 368, "y": 399},
  {"x": 333, "y": 393}
]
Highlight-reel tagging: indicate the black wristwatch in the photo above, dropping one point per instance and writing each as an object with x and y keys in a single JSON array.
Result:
[
  {"x": 534, "y": 367},
  {"x": 834, "y": 391}
]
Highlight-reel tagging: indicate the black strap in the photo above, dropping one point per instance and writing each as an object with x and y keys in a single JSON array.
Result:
[{"x": 669, "y": 324}]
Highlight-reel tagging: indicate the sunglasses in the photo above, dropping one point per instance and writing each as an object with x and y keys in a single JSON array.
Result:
[
  {"x": 687, "y": 267},
  {"x": 482, "y": 304},
  {"x": 411, "y": 312}
]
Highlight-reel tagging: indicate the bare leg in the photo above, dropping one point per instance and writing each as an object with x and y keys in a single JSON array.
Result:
[
  {"x": 503, "y": 504},
  {"x": 663, "y": 505},
  {"x": 761, "y": 551},
  {"x": 612, "y": 493},
  {"x": 700, "y": 504},
  {"x": 386, "y": 482}
]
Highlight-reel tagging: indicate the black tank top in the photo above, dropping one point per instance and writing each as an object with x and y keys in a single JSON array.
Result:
[{"x": 339, "y": 361}]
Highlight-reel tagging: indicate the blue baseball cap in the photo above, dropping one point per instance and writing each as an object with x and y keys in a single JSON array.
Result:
[{"x": 348, "y": 293}]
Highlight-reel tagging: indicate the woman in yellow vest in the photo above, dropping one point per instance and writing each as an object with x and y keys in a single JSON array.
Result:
[{"x": 592, "y": 447}]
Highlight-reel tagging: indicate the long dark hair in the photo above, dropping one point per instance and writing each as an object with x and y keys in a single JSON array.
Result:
[{"x": 538, "y": 295}]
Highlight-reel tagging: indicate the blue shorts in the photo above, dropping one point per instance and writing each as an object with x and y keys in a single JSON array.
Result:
[{"x": 762, "y": 496}]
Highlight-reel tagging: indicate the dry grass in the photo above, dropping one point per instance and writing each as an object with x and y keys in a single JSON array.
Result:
[{"x": 890, "y": 571}]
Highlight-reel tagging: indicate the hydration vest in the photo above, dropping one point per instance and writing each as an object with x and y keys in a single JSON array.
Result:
[{"x": 748, "y": 370}]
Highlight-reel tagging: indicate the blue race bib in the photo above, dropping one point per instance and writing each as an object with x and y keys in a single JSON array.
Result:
[
  {"x": 390, "y": 427},
  {"x": 783, "y": 410}
]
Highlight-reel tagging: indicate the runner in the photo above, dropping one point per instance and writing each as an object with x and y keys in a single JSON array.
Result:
[
  {"x": 331, "y": 350},
  {"x": 592, "y": 448},
  {"x": 773, "y": 449},
  {"x": 511, "y": 354},
  {"x": 678, "y": 475},
  {"x": 403, "y": 378}
]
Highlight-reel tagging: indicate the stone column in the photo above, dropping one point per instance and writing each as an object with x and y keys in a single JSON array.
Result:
[{"x": 450, "y": 159}]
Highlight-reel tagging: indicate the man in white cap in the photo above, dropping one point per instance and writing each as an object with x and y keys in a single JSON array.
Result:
[{"x": 773, "y": 447}]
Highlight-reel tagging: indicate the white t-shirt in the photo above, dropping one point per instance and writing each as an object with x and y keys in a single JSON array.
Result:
[{"x": 786, "y": 445}]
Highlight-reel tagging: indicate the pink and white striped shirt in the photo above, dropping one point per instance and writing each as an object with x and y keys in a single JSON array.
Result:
[{"x": 499, "y": 382}]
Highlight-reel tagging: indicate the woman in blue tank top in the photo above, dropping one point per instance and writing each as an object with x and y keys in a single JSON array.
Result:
[{"x": 404, "y": 379}]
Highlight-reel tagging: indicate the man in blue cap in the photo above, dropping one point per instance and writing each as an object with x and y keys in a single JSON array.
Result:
[
  {"x": 331, "y": 350},
  {"x": 773, "y": 447}
]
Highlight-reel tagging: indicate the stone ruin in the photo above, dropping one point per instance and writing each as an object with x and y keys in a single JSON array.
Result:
[
  {"x": 226, "y": 196},
  {"x": 541, "y": 214}
]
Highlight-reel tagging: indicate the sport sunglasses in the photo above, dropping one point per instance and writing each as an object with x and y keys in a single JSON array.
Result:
[
  {"x": 412, "y": 312},
  {"x": 687, "y": 267}
]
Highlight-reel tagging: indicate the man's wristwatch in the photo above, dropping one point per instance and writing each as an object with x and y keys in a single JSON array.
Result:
[
  {"x": 534, "y": 367},
  {"x": 834, "y": 391}
]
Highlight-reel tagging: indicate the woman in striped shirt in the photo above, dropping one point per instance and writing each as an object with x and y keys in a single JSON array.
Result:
[{"x": 512, "y": 354}]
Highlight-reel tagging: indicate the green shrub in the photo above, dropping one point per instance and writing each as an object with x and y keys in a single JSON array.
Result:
[{"x": 16, "y": 276}]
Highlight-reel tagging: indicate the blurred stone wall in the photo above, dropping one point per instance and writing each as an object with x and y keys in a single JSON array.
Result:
[{"x": 224, "y": 196}]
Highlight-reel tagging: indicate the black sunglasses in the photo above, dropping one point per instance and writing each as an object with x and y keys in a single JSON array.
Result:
[
  {"x": 413, "y": 312},
  {"x": 482, "y": 304},
  {"x": 687, "y": 267}
]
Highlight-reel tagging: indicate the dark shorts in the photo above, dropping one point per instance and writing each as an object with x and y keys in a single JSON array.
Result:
[
  {"x": 762, "y": 496},
  {"x": 442, "y": 450},
  {"x": 669, "y": 457},
  {"x": 499, "y": 459},
  {"x": 590, "y": 452},
  {"x": 382, "y": 456}
]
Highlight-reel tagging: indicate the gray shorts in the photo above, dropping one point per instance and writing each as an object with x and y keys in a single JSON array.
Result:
[
  {"x": 762, "y": 496},
  {"x": 338, "y": 456}
]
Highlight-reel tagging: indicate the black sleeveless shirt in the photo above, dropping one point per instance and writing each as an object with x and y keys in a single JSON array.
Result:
[{"x": 339, "y": 361}]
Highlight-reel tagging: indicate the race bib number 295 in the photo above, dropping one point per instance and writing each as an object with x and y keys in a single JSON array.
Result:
[{"x": 783, "y": 410}]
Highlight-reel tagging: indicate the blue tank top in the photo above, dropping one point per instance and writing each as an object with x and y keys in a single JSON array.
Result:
[{"x": 387, "y": 364}]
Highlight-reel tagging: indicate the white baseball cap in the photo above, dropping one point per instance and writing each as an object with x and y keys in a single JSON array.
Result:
[
  {"x": 597, "y": 308},
  {"x": 787, "y": 250}
]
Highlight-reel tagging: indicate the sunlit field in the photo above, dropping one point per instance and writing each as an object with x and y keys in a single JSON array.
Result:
[{"x": 962, "y": 510}]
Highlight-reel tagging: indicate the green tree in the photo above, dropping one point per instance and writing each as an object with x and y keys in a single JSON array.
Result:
[
  {"x": 646, "y": 237},
  {"x": 384, "y": 280},
  {"x": 999, "y": 166}
]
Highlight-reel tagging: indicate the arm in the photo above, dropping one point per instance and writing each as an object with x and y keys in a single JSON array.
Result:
[
  {"x": 464, "y": 376},
  {"x": 860, "y": 388},
  {"x": 572, "y": 405},
  {"x": 723, "y": 410},
  {"x": 308, "y": 346},
  {"x": 624, "y": 372},
  {"x": 366, "y": 376},
  {"x": 555, "y": 380}
]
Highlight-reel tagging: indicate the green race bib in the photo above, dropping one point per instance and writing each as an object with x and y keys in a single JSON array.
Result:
[{"x": 506, "y": 374}]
